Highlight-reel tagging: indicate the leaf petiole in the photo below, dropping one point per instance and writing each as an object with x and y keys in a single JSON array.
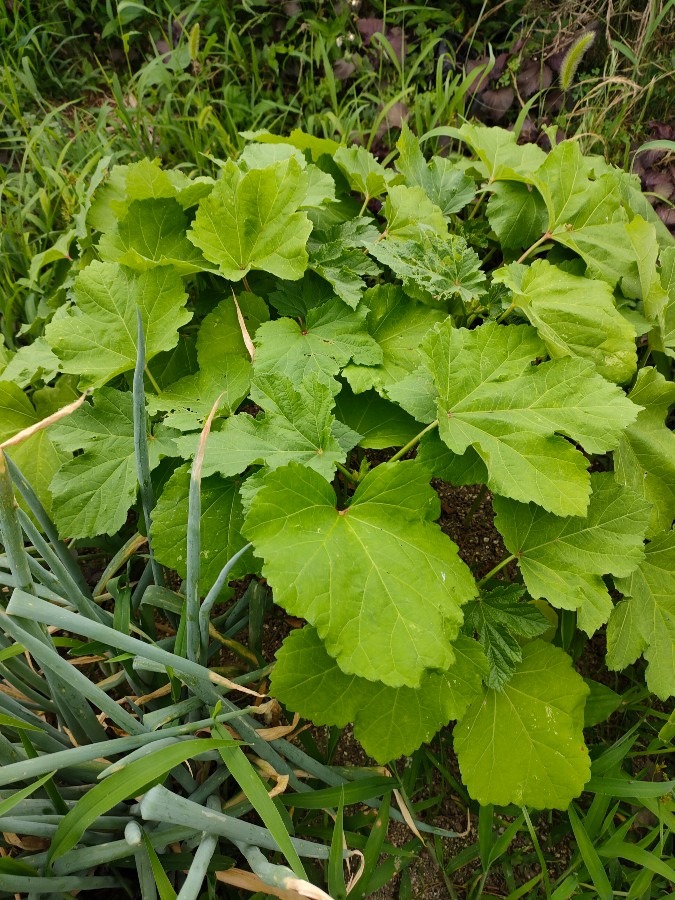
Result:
[
  {"x": 545, "y": 237},
  {"x": 353, "y": 477},
  {"x": 152, "y": 381},
  {"x": 413, "y": 442},
  {"x": 496, "y": 569}
]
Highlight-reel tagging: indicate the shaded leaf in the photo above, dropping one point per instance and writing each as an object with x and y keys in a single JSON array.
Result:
[
  {"x": 517, "y": 214},
  {"x": 37, "y": 456},
  {"x": 93, "y": 491},
  {"x": 398, "y": 324},
  {"x": 380, "y": 423},
  {"x": 644, "y": 459},
  {"x": 152, "y": 234},
  {"x": 298, "y": 425},
  {"x": 220, "y": 525},
  {"x": 433, "y": 269},
  {"x": 389, "y": 722},
  {"x": 499, "y": 618},
  {"x": 645, "y": 623},
  {"x": 330, "y": 337},
  {"x": 444, "y": 184}
]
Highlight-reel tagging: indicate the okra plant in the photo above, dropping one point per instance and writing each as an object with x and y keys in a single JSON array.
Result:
[{"x": 502, "y": 317}]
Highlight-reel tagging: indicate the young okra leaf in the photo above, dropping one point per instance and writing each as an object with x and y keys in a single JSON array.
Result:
[
  {"x": 645, "y": 623},
  {"x": 388, "y": 721},
  {"x": 574, "y": 316},
  {"x": 408, "y": 210},
  {"x": 514, "y": 414},
  {"x": 502, "y": 157},
  {"x": 96, "y": 338},
  {"x": 298, "y": 425},
  {"x": 499, "y": 618},
  {"x": 94, "y": 491},
  {"x": 433, "y": 269},
  {"x": 251, "y": 221},
  {"x": 444, "y": 184},
  {"x": 337, "y": 256},
  {"x": 398, "y": 324},
  {"x": 153, "y": 233},
  {"x": 363, "y": 172},
  {"x": 644, "y": 459},
  {"x": 347, "y": 571},
  {"x": 525, "y": 743},
  {"x": 221, "y": 520},
  {"x": 564, "y": 559},
  {"x": 331, "y": 336}
]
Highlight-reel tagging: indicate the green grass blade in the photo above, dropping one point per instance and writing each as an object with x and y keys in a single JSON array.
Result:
[
  {"x": 372, "y": 849},
  {"x": 47, "y": 526},
  {"x": 161, "y": 805},
  {"x": 353, "y": 792},
  {"x": 640, "y": 857},
  {"x": 75, "y": 687},
  {"x": 11, "y": 802},
  {"x": 131, "y": 781},
  {"x": 627, "y": 788},
  {"x": 590, "y": 857},
  {"x": 164, "y": 886},
  {"x": 336, "y": 872},
  {"x": 256, "y": 793},
  {"x": 485, "y": 821}
]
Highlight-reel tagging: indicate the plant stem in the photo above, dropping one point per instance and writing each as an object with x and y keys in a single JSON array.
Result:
[
  {"x": 152, "y": 381},
  {"x": 350, "y": 476},
  {"x": 506, "y": 312},
  {"x": 480, "y": 496},
  {"x": 545, "y": 237},
  {"x": 414, "y": 442},
  {"x": 365, "y": 205},
  {"x": 496, "y": 569},
  {"x": 245, "y": 281}
]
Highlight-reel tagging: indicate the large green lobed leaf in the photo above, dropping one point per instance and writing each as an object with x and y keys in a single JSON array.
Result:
[
  {"x": 525, "y": 744},
  {"x": 563, "y": 559},
  {"x": 515, "y": 414},
  {"x": 574, "y": 316},
  {"x": 251, "y": 221},
  {"x": 380, "y": 582},
  {"x": 645, "y": 623},
  {"x": 97, "y": 337}
]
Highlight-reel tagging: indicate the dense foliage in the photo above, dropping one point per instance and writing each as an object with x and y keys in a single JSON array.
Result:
[{"x": 326, "y": 307}]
